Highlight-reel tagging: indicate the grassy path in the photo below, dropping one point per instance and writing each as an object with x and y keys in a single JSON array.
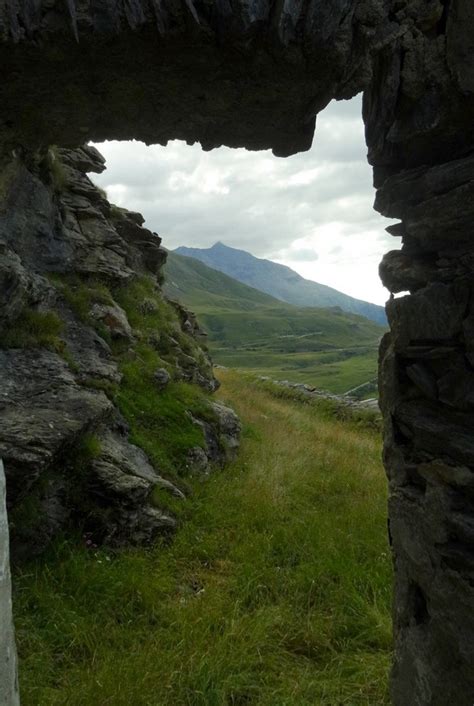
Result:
[{"x": 275, "y": 592}]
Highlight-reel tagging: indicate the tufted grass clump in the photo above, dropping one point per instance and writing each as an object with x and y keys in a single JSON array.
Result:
[
  {"x": 33, "y": 328},
  {"x": 82, "y": 293},
  {"x": 88, "y": 449},
  {"x": 274, "y": 592}
]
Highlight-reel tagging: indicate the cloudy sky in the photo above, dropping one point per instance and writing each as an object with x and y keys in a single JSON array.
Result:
[{"x": 312, "y": 212}]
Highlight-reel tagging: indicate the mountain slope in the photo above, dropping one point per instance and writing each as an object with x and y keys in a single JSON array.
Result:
[
  {"x": 190, "y": 281},
  {"x": 280, "y": 281},
  {"x": 252, "y": 330}
]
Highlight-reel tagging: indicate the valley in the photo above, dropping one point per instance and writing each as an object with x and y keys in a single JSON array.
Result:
[{"x": 250, "y": 330}]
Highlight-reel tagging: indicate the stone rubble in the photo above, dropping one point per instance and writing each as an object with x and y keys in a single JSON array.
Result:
[{"x": 346, "y": 401}]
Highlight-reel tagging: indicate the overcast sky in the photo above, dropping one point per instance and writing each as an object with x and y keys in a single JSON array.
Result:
[{"x": 312, "y": 212}]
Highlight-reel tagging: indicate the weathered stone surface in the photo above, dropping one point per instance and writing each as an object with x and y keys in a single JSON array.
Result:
[
  {"x": 162, "y": 378},
  {"x": 401, "y": 273},
  {"x": 460, "y": 44},
  {"x": 124, "y": 479},
  {"x": 145, "y": 252},
  {"x": 435, "y": 204},
  {"x": 43, "y": 412},
  {"x": 9, "y": 695},
  {"x": 20, "y": 288},
  {"x": 91, "y": 355},
  {"x": 207, "y": 72},
  {"x": 114, "y": 319},
  {"x": 197, "y": 461},
  {"x": 433, "y": 314},
  {"x": 350, "y": 400},
  {"x": 121, "y": 463},
  {"x": 229, "y": 428},
  {"x": 222, "y": 440}
]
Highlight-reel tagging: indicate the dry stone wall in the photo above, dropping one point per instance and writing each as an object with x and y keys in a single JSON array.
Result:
[
  {"x": 254, "y": 74},
  {"x": 419, "y": 117}
]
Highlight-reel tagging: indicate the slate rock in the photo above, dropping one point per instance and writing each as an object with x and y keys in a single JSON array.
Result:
[
  {"x": 123, "y": 469},
  {"x": 229, "y": 427},
  {"x": 114, "y": 318},
  {"x": 161, "y": 377},
  {"x": 433, "y": 314},
  {"x": 43, "y": 413}
]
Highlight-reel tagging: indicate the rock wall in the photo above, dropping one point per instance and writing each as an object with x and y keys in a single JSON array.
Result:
[
  {"x": 255, "y": 73},
  {"x": 97, "y": 368},
  {"x": 8, "y": 676},
  {"x": 419, "y": 115}
]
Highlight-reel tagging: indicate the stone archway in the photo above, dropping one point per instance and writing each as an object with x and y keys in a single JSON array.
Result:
[{"x": 255, "y": 73}]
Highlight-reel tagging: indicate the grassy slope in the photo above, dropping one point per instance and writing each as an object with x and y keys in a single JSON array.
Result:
[
  {"x": 253, "y": 331},
  {"x": 279, "y": 281},
  {"x": 275, "y": 591}
]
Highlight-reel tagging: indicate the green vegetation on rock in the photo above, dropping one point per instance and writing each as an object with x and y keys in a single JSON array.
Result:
[
  {"x": 275, "y": 591},
  {"x": 81, "y": 293},
  {"x": 33, "y": 328},
  {"x": 163, "y": 423}
]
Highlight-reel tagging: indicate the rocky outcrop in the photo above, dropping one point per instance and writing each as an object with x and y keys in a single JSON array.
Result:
[
  {"x": 8, "y": 676},
  {"x": 240, "y": 73},
  {"x": 76, "y": 343},
  {"x": 222, "y": 440}
]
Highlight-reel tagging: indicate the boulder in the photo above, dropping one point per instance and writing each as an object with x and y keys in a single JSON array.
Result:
[
  {"x": 229, "y": 427},
  {"x": 161, "y": 377},
  {"x": 113, "y": 317}
]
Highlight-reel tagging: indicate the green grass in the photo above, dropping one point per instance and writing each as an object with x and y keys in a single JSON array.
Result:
[
  {"x": 81, "y": 294},
  {"x": 252, "y": 331},
  {"x": 33, "y": 328},
  {"x": 317, "y": 369},
  {"x": 275, "y": 591},
  {"x": 160, "y": 421}
]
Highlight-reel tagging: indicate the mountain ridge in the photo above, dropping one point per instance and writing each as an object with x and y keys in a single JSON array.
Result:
[
  {"x": 250, "y": 330},
  {"x": 279, "y": 281}
]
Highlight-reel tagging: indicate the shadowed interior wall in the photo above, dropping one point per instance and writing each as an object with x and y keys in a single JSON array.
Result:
[
  {"x": 8, "y": 677},
  {"x": 254, "y": 73}
]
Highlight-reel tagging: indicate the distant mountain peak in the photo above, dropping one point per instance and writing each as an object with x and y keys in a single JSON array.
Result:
[{"x": 279, "y": 281}]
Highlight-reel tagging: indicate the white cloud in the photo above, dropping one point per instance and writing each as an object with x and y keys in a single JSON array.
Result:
[{"x": 312, "y": 211}]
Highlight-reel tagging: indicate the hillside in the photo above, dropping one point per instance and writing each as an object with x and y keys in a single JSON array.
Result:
[
  {"x": 251, "y": 330},
  {"x": 275, "y": 591},
  {"x": 280, "y": 281}
]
